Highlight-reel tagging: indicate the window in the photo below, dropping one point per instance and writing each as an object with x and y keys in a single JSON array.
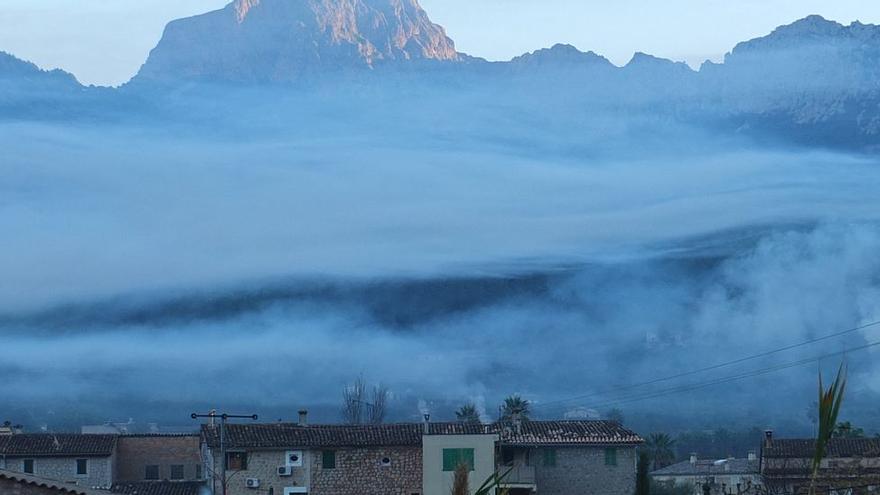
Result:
[
  {"x": 198, "y": 471},
  {"x": 328, "y": 459},
  {"x": 177, "y": 472},
  {"x": 82, "y": 467},
  {"x": 550, "y": 457},
  {"x": 610, "y": 457},
  {"x": 236, "y": 461},
  {"x": 151, "y": 473},
  {"x": 27, "y": 466},
  {"x": 453, "y": 457}
]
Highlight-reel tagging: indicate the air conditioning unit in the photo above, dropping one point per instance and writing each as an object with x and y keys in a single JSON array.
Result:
[
  {"x": 285, "y": 471},
  {"x": 252, "y": 483},
  {"x": 294, "y": 458},
  {"x": 294, "y": 490}
]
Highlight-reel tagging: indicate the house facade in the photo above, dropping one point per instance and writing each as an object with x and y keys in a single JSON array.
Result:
[
  {"x": 536, "y": 457},
  {"x": 146, "y": 458},
  {"x": 84, "y": 460},
  {"x": 729, "y": 476},
  {"x": 851, "y": 466},
  {"x": 293, "y": 458},
  {"x": 539, "y": 457}
]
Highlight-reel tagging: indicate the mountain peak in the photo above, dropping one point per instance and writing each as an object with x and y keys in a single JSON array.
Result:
[
  {"x": 282, "y": 40},
  {"x": 561, "y": 54}
]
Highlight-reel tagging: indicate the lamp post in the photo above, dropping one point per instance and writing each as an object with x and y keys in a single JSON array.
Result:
[{"x": 223, "y": 418}]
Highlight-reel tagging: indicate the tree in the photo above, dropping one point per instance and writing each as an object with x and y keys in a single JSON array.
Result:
[
  {"x": 379, "y": 405},
  {"x": 847, "y": 430},
  {"x": 514, "y": 406},
  {"x": 615, "y": 416},
  {"x": 660, "y": 448},
  {"x": 643, "y": 479},
  {"x": 357, "y": 409},
  {"x": 468, "y": 414},
  {"x": 353, "y": 401}
]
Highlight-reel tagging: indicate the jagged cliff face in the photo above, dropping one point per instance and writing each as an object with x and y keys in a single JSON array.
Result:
[{"x": 282, "y": 40}]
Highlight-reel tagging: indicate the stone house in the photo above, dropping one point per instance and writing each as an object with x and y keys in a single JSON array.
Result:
[
  {"x": 851, "y": 466},
  {"x": 538, "y": 457},
  {"x": 84, "y": 460},
  {"x": 12, "y": 483},
  {"x": 141, "y": 458},
  {"x": 729, "y": 476},
  {"x": 293, "y": 458},
  {"x": 552, "y": 457}
]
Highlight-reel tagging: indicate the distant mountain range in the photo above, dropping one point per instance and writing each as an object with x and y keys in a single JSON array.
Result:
[{"x": 811, "y": 81}]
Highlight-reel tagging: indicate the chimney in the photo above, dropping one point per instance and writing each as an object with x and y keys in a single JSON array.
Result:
[
  {"x": 303, "y": 417},
  {"x": 693, "y": 458},
  {"x": 753, "y": 456},
  {"x": 427, "y": 424},
  {"x": 768, "y": 438}
]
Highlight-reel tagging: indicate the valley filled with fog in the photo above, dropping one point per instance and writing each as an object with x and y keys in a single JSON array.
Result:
[{"x": 250, "y": 234}]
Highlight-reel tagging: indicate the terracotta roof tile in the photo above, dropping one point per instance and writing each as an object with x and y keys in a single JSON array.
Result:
[
  {"x": 838, "y": 447},
  {"x": 158, "y": 488},
  {"x": 282, "y": 435},
  {"x": 60, "y": 487},
  {"x": 57, "y": 444}
]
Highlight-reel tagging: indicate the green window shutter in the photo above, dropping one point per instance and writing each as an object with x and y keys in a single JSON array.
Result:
[
  {"x": 467, "y": 456},
  {"x": 328, "y": 459},
  {"x": 453, "y": 457},
  {"x": 610, "y": 457},
  {"x": 450, "y": 459},
  {"x": 550, "y": 457}
]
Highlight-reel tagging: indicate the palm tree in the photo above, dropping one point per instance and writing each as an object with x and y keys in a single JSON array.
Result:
[
  {"x": 661, "y": 448},
  {"x": 460, "y": 483},
  {"x": 468, "y": 414},
  {"x": 847, "y": 430},
  {"x": 515, "y": 406}
]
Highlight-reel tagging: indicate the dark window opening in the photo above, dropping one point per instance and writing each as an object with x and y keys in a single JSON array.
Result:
[
  {"x": 236, "y": 461},
  {"x": 610, "y": 457},
  {"x": 82, "y": 467},
  {"x": 151, "y": 473},
  {"x": 27, "y": 466},
  {"x": 550, "y": 457},
  {"x": 177, "y": 472},
  {"x": 328, "y": 459},
  {"x": 198, "y": 471}
]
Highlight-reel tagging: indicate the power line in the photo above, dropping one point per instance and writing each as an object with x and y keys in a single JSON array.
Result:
[
  {"x": 728, "y": 379},
  {"x": 714, "y": 367}
]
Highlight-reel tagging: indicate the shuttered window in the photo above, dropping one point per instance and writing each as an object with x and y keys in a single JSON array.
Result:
[
  {"x": 610, "y": 457},
  {"x": 328, "y": 459},
  {"x": 550, "y": 457},
  {"x": 453, "y": 457}
]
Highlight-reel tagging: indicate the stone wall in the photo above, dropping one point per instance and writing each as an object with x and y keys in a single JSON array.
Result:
[
  {"x": 100, "y": 469},
  {"x": 135, "y": 453},
  {"x": 358, "y": 471},
  {"x": 263, "y": 465},
  {"x": 361, "y": 471},
  {"x": 582, "y": 470}
]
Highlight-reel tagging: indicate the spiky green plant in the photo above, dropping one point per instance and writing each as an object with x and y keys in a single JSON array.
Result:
[
  {"x": 492, "y": 486},
  {"x": 830, "y": 401}
]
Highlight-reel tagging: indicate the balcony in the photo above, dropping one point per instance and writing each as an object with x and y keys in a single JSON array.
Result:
[{"x": 520, "y": 475}]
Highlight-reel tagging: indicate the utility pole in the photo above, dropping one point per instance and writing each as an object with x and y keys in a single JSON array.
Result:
[{"x": 223, "y": 418}]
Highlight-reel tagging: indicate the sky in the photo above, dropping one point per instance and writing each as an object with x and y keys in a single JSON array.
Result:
[{"x": 104, "y": 42}]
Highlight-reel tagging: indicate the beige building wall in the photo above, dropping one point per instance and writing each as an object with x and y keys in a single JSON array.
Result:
[{"x": 439, "y": 482}]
